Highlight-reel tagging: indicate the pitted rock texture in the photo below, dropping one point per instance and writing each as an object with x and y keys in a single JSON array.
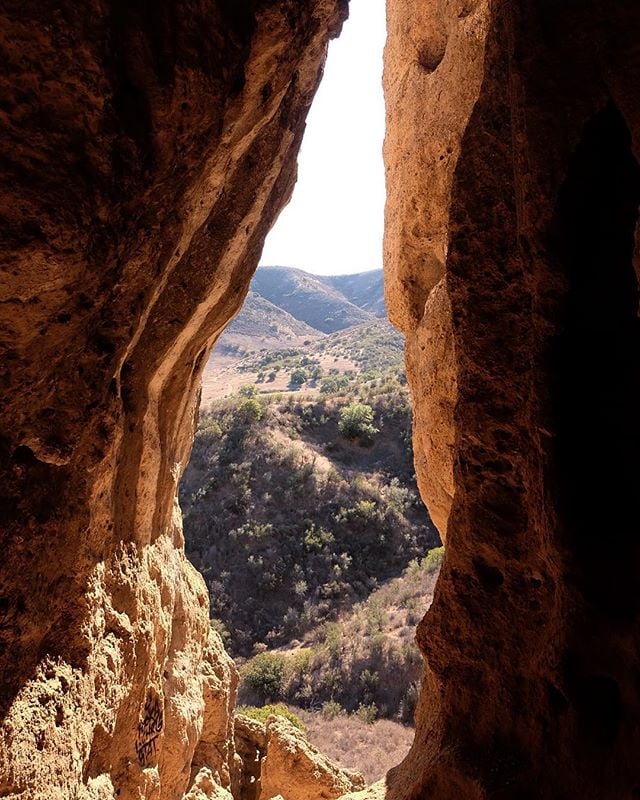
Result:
[
  {"x": 512, "y": 161},
  {"x": 375, "y": 792},
  {"x": 296, "y": 770},
  {"x": 250, "y": 739},
  {"x": 434, "y": 68},
  {"x": 215, "y": 750},
  {"x": 145, "y": 151},
  {"x": 205, "y": 787}
]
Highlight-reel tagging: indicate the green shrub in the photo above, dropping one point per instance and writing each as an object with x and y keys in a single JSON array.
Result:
[
  {"x": 433, "y": 559},
  {"x": 250, "y": 410},
  {"x": 333, "y": 637},
  {"x": 333, "y": 384},
  {"x": 356, "y": 422},
  {"x": 264, "y": 675},
  {"x": 262, "y": 713},
  {"x": 298, "y": 376},
  {"x": 331, "y": 709},
  {"x": 367, "y": 713},
  {"x": 221, "y": 629}
]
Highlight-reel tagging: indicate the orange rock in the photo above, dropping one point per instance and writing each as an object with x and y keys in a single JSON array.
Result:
[
  {"x": 296, "y": 770},
  {"x": 144, "y": 155},
  {"x": 513, "y": 193}
]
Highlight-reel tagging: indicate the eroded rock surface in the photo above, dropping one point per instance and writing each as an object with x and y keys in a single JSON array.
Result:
[
  {"x": 375, "y": 792},
  {"x": 296, "y": 770},
  {"x": 145, "y": 152},
  {"x": 512, "y": 157},
  {"x": 250, "y": 737}
]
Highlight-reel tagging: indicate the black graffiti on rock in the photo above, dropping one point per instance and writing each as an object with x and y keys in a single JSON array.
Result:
[{"x": 149, "y": 728}]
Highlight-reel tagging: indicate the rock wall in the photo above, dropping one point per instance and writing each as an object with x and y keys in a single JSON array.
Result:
[
  {"x": 275, "y": 760},
  {"x": 294, "y": 769},
  {"x": 513, "y": 190},
  {"x": 145, "y": 150}
]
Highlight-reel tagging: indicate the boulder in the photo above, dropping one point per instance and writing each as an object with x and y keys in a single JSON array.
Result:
[{"x": 296, "y": 770}]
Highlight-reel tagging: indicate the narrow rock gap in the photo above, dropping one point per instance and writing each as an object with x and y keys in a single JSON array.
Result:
[{"x": 313, "y": 208}]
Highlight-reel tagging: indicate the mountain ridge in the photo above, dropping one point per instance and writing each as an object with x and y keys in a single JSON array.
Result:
[
  {"x": 328, "y": 319},
  {"x": 326, "y": 303}
]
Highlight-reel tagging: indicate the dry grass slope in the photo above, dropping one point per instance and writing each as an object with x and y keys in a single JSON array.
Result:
[{"x": 354, "y": 744}]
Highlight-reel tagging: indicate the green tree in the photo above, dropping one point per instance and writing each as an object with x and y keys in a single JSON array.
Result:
[
  {"x": 264, "y": 675},
  {"x": 250, "y": 410},
  {"x": 298, "y": 376},
  {"x": 356, "y": 422},
  {"x": 433, "y": 560}
]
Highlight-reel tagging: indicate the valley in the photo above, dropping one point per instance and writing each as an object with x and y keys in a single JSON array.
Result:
[
  {"x": 329, "y": 326},
  {"x": 302, "y": 513}
]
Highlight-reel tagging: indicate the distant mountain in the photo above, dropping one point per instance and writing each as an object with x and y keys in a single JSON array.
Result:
[
  {"x": 291, "y": 316},
  {"x": 315, "y": 299},
  {"x": 364, "y": 289},
  {"x": 263, "y": 325}
]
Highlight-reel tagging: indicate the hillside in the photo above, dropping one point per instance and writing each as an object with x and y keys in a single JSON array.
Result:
[
  {"x": 309, "y": 298},
  {"x": 363, "y": 289},
  {"x": 366, "y": 662},
  {"x": 289, "y": 520},
  {"x": 318, "y": 366},
  {"x": 312, "y": 538},
  {"x": 335, "y": 322},
  {"x": 263, "y": 325}
]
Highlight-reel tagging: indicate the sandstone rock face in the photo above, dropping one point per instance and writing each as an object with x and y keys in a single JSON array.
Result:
[
  {"x": 250, "y": 738},
  {"x": 430, "y": 360},
  {"x": 296, "y": 770},
  {"x": 375, "y": 792},
  {"x": 205, "y": 787},
  {"x": 215, "y": 750},
  {"x": 512, "y": 161},
  {"x": 145, "y": 152},
  {"x": 435, "y": 51}
]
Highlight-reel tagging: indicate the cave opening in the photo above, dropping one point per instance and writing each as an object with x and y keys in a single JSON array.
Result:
[
  {"x": 300, "y": 504},
  {"x": 597, "y": 394}
]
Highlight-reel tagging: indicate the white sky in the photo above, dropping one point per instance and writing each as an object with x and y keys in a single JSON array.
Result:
[{"x": 334, "y": 222}]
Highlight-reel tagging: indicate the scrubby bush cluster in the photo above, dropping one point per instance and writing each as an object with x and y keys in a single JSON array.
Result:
[
  {"x": 262, "y": 714},
  {"x": 365, "y": 663},
  {"x": 289, "y": 520},
  {"x": 356, "y": 422}
]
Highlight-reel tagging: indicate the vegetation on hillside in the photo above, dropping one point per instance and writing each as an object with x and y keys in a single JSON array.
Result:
[
  {"x": 370, "y": 348},
  {"x": 365, "y": 663},
  {"x": 262, "y": 714},
  {"x": 291, "y": 521},
  {"x": 312, "y": 298},
  {"x": 336, "y": 328},
  {"x": 353, "y": 743},
  {"x": 301, "y": 509}
]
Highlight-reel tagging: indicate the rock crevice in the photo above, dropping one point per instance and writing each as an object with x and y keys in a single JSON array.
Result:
[{"x": 144, "y": 155}]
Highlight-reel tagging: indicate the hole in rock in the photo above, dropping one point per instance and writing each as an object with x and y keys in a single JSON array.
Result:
[
  {"x": 490, "y": 577},
  {"x": 431, "y": 54},
  {"x": 300, "y": 504}
]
